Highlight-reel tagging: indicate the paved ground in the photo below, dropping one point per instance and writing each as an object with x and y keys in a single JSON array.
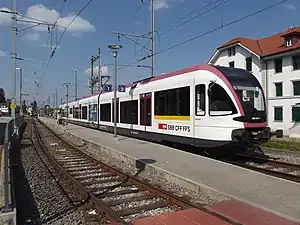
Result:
[{"x": 276, "y": 195}]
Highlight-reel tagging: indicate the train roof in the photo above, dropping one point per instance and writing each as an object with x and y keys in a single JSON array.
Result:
[{"x": 232, "y": 74}]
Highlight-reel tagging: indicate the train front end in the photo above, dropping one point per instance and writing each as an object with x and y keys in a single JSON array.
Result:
[{"x": 252, "y": 107}]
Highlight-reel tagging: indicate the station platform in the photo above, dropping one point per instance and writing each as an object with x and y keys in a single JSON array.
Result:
[{"x": 256, "y": 198}]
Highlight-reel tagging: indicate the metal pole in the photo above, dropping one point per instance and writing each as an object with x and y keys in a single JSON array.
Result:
[
  {"x": 76, "y": 85},
  {"x": 92, "y": 75},
  {"x": 99, "y": 70},
  {"x": 115, "y": 93},
  {"x": 6, "y": 172},
  {"x": 21, "y": 87},
  {"x": 152, "y": 38},
  {"x": 56, "y": 98},
  {"x": 14, "y": 60},
  {"x": 67, "y": 95}
]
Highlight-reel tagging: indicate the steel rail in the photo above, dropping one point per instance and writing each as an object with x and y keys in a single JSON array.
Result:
[
  {"x": 101, "y": 207},
  {"x": 144, "y": 185}
]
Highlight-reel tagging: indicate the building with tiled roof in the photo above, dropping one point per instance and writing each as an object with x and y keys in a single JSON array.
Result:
[{"x": 275, "y": 61}]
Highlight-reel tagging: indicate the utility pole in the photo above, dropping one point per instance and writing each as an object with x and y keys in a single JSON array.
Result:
[
  {"x": 76, "y": 85},
  {"x": 94, "y": 80},
  {"x": 21, "y": 86},
  {"x": 92, "y": 75},
  {"x": 99, "y": 70},
  {"x": 115, "y": 49},
  {"x": 149, "y": 35},
  {"x": 14, "y": 61},
  {"x": 67, "y": 95},
  {"x": 53, "y": 100},
  {"x": 152, "y": 38},
  {"x": 56, "y": 98}
]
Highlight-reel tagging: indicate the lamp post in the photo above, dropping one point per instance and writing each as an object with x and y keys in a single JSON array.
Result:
[
  {"x": 67, "y": 95},
  {"x": 115, "y": 48}
]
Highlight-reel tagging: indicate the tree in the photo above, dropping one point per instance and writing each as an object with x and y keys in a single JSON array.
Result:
[{"x": 2, "y": 96}]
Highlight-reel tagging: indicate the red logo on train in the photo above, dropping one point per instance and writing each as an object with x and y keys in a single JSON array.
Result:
[{"x": 162, "y": 126}]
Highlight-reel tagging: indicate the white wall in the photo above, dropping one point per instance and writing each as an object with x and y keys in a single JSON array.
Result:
[
  {"x": 287, "y": 100},
  {"x": 239, "y": 60}
]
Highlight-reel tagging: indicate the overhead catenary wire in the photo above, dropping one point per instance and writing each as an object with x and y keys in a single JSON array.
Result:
[
  {"x": 64, "y": 31},
  {"x": 196, "y": 16},
  {"x": 213, "y": 30},
  {"x": 191, "y": 13}
]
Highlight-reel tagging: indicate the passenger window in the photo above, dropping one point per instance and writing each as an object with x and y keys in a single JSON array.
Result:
[
  {"x": 220, "y": 103},
  {"x": 200, "y": 100}
]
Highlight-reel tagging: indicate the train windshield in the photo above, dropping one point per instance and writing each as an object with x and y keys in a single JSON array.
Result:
[
  {"x": 249, "y": 92},
  {"x": 251, "y": 97}
]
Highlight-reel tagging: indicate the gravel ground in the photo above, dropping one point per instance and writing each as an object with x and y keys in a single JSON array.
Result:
[
  {"x": 286, "y": 156},
  {"x": 39, "y": 198},
  {"x": 199, "y": 197},
  {"x": 271, "y": 167}
]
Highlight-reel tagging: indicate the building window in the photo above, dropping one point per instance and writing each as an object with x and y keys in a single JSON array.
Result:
[
  {"x": 231, "y": 64},
  {"x": 296, "y": 62},
  {"x": 278, "y": 65},
  {"x": 289, "y": 42},
  {"x": 296, "y": 114},
  {"x": 249, "y": 63},
  {"x": 278, "y": 113},
  {"x": 278, "y": 89},
  {"x": 296, "y": 87},
  {"x": 231, "y": 51}
]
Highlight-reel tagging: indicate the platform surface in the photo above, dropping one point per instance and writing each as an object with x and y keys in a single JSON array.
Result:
[
  {"x": 274, "y": 194},
  {"x": 184, "y": 217}
]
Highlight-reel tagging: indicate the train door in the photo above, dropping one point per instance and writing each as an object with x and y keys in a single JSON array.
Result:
[
  {"x": 200, "y": 110},
  {"x": 145, "y": 109}
]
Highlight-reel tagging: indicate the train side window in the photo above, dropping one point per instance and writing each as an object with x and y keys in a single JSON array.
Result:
[
  {"x": 105, "y": 112},
  {"x": 76, "y": 113},
  {"x": 220, "y": 104},
  {"x": 200, "y": 99},
  {"x": 173, "y": 102},
  {"x": 129, "y": 112}
]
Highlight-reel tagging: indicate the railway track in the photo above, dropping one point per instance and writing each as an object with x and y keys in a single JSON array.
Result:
[
  {"x": 118, "y": 197},
  {"x": 285, "y": 170}
]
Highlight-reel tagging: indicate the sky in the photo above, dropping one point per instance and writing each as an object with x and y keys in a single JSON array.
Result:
[{"x": 175, "y": 21}]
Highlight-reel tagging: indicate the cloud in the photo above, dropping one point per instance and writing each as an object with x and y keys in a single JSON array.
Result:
[
  {"x": 40, "y": 12},
  {"x": 164, "y": 4},
  {"x": 2, "y": 53},
  {"x": 290, "y": 7},
  {"x": 104, "y": 69},
  {"x": 161, "y": 4},
  {"x": 51, "y": 15},
  {"x": 31, "y": 36},
  {"x": 5, "y": 18},
  {"x": 49, "y": 46}
]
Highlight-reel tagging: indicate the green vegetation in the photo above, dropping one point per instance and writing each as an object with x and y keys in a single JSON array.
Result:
[{"x": 290, "y": 145}]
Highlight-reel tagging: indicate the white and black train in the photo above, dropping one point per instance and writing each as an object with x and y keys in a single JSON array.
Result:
[{"x": 204, "y": 106}]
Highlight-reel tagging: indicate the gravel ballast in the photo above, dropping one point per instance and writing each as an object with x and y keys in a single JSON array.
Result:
[{"x": 39, "y": 197}]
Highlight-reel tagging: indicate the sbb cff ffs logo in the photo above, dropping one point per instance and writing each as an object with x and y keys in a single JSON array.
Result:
[{"x": 164, "y": 126}]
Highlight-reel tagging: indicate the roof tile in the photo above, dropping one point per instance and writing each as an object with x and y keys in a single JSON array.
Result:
[{"x": 267, "y": 46}]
